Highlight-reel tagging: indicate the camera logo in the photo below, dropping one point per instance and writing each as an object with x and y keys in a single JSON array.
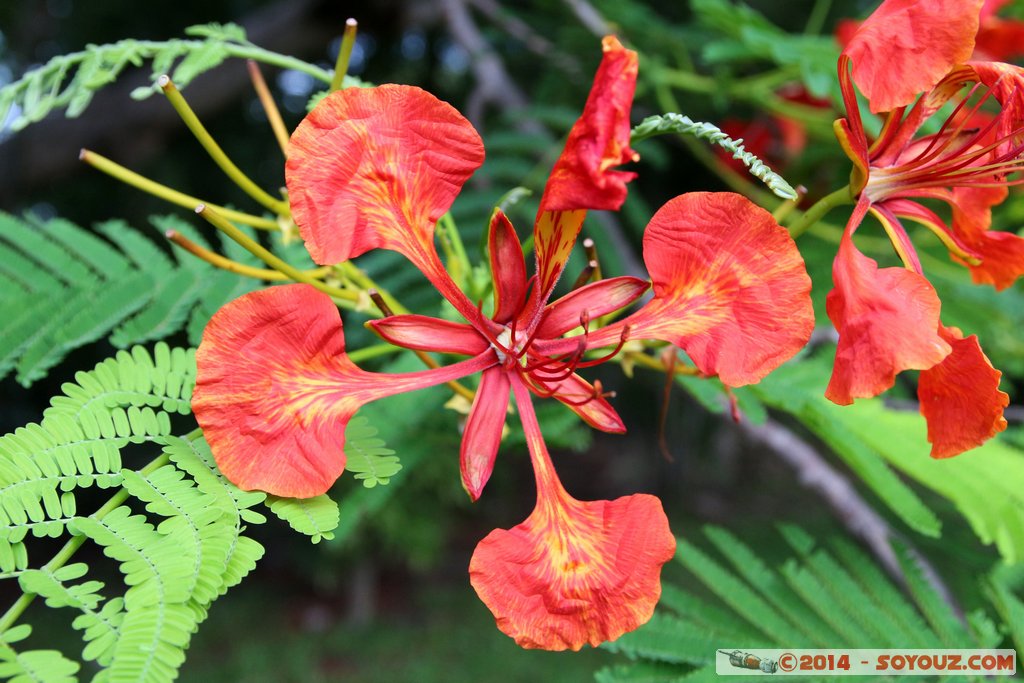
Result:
[{"x": 745, "y": 660}]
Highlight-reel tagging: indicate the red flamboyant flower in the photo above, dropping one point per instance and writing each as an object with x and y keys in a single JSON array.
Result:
[
  {"x": 906, "y": 59},
  {"x": 997, "y": 39},
  {"x": 376, "y": 168}
]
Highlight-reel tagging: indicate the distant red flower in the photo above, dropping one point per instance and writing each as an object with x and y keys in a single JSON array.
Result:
[
  {"x": 998, "y": 39},
  {"x": 376, "y": 168},
  {"x": 888, "y": 318}
]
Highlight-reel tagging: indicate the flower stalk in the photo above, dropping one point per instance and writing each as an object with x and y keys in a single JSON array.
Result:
[
  {"x": 193, "y": 123},
  {"x": 818, "y": 210},
  {"x": 269, "y": 106},
  {"x": 256, "y": 249},
  {"x": 115, "y": 170},
  {"x": 227, "y": 264},
  {"x": 348, "y": 41}
]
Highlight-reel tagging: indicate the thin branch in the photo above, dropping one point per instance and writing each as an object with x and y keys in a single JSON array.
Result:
[
  {"x": 590, "y": 17},
  {"x": 493, "y": 84},
  {"x": 524, "y": 33}
]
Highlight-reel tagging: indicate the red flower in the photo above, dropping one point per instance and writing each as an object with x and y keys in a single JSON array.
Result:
[
  {"x": 997, "y": 39},
  {"x": 888, "y": 319},
  {"x": 375, "y": 168}
]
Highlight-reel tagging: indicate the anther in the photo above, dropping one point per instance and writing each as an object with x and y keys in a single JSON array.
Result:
[
  {"x": 585, "y": 275},
  {"x": 591, "y": 250},
  {"x": 378, "y": 301}
]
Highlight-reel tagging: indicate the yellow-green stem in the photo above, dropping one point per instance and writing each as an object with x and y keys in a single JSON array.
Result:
[
  {"x": 819, "y": 209},
  {"x": 115, "y": 170},
  {"x": 355, "y": 275},
  {"x": 227, "y": 264},
  {"x": 257, "y": 250},
  {"x": 787, "y": 207},
  {"x": 269, "y": 106},
  {"x": 455, "y": 251},
  {"x": 368, "y": 352},
  {"x": 348, "y": 41},
  {"x": 243, "y": 181}
]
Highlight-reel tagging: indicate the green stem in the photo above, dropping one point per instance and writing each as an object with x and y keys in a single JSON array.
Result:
[
  {"x": 819, "y": 209},
  {"x": 455, "y": 250},
  {"x": 257, "y": 250},
  {"x": 348, "y": 41},
  {"x": 816, "y": 19},
  {"x": 243, "y": 181},
  {"x": 72, "y": 546},
  {"x": 267, "y": 57},
  {"x": 365, "y": 282},
  {"x": 168, "y": 194},
  {"x": 374, "y": 351}
]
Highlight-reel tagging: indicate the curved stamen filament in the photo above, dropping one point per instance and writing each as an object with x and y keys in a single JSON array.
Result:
[
  {"x": 623, "y": 338},
  {"x": 922, "y": 158}
]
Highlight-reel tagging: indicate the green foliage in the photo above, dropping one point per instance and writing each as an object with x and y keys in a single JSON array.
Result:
[
  {"x": 367, "y": 458},
  {"x": 682, "y": 125},
  {"x": 179, "y": 545},
  {"x": 819, "y": 597},
  {"x": 986, "y": 485},
  {"x": 743, "y": 35},
  {"x": 64, "y": 287},
  {"x": 314, "y": 517},
  {"x": 69, "y": 81}
]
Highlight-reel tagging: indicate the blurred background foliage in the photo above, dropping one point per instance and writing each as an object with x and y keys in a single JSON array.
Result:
[{"x": 388, "y": 597}]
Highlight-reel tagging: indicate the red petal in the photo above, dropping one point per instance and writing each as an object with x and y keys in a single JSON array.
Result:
[
  {"x": 886, "y": 318},
  {"x": 583, "y": 177},
  {"x": 906, "y": 46},
  {"x": 507, "y": 267},
  {"x": 574, "y": 572},
  {"x": 579, "y": 395},
  {"x": 597, "y": 299},
  {"x": 960, "y": 397},
  {"x": 730, "y": 287},
  {"x": 375, "y": 168},
  {"x": 274, "y": 390},
  {"x": 999, "y": 40},
  {"x": 424, "y": 333},
  {"x": 482, "y": 437},
  {"x": 1001, "y": 253}
]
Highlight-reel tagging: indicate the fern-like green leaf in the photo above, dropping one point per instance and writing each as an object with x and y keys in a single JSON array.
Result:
[
  {"x": 179, "y": 545},
  {"x": 367, "y": 458},
  {"x": 64, "y": 287},
  {"x": 193, "y": 456},
  {"x": 671, "y": 639},
  {"x": 875, "y": 441},
  {"x": 36, "y": 666},
  {"x": 768, "y": 584},
  {"x": 315, "y": 517},
  {"x": 127, "y": 399},
  {"x": 849, "y": 597},
  {"x": 100, "y": 623},
  {"x": 683, "y": 125},
  {"x": 69, "y": 81},
  {"x": 740, "y": 596}
]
